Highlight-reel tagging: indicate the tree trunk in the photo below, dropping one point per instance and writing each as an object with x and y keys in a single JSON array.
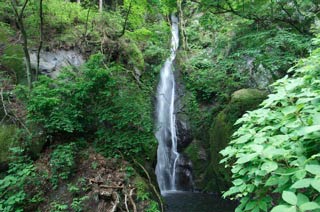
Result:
[
  {"x": 100, "y": 5},
  {"x": 78, "y": 1},
  {"x": 126, "y": 20},
  {"x": 41, "y": 38}
]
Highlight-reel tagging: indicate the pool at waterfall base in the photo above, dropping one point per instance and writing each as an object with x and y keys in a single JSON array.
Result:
[{"x": 196, "y": 202}]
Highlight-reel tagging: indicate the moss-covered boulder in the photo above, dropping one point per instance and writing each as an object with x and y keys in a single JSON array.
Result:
[
  {"x": 216, "y": 177},
  {"x": 7, "y": 140}
]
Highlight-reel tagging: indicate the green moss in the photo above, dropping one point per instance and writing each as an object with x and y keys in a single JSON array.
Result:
[
  {"x": 7, "y": 140},
  {"x": 217, "y": 178}
]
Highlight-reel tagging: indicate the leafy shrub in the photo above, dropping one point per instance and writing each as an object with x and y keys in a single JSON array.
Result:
[
  {"x": 62, "y": 162},
  {"x": 12, "y": 193},
  {"x": 78, "y": 203},
  {"x": 275, "y": 153},
  {"x": 105, "y": 101}
]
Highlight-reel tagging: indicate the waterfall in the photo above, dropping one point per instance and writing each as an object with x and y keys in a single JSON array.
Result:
[{"x": 166, "y": 120}]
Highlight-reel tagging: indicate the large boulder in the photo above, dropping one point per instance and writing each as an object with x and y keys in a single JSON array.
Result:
[{"x": 210, "y": 175}]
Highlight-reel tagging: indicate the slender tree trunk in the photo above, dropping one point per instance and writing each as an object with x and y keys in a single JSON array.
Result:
[
  {"x": 19, "y": 21},
  {"x": 78, "y": 1},
  {"x": 100, "y": 5},
  {"x": 41, "y": 38},
  {"x": 27, "y": 57}
]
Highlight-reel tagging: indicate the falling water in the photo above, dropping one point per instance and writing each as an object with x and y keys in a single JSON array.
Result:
[{"x": 166, "y": 119}]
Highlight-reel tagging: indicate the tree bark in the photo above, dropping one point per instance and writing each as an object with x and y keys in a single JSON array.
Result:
[
  {"x": 78, "y": 1},
  {"x": 41, "y": 38}
]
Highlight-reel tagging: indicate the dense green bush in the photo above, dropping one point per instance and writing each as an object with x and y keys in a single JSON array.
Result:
[
  {"x": 103, "y": 100},
  {"x": 274, "y": 157}
]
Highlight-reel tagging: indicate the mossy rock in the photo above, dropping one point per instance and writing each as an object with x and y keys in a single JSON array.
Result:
[
  {"x": 197, "y": 154},
  {"x": 7, "y": 140},
  {"x": 245, "y": 95},
  {"x": 222, "y": 128}
]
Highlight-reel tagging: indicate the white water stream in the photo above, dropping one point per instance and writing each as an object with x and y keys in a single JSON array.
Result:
[{"x": 166, "y": 120}]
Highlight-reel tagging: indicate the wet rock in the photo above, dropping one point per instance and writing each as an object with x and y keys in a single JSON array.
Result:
[
  {"x": 199, "y": 157},
  {"x": 184, "y": 173},
  {"x": 184, "y": 136}
]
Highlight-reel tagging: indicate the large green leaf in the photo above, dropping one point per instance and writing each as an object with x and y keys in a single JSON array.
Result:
[
  {"x": 313, "y": 169},
  {"x": 316, "y": 184},
  {"x": 246, "y": 158},
  {"x": 269, "y": 166},
  {"x": 302, "y": 199},
  {"x": 284, "y": 208},
  {"x": 290, "y": 197},
  {"x": 309, "y": 206},
  {"x": 303, "y": 183}
]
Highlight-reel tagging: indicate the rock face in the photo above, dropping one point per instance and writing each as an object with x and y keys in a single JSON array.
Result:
[
  {"x": 209, "y": 174},
  {"x": 184, "y": 170},
  {"x": 184, "y": 134},
  {"x": 51, "y": 63},
  {"x": 197, "y": 153},
  {"x": 184, "y": 173},
  {"x": 183, "y": 127}
]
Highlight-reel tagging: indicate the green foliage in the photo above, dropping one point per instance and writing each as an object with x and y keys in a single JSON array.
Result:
[
  {"x": 103, "y": 100},
  {"x": 78, "y": 203},
  {"x": 144, "y": 195},
  {"x": 13, "y": 196},
  {"x": 78, "y": 187},
  {"x": 58, "y": 207},
  {"x": 297, "y": 14},
  {"x": 53, "y": 108},
  {"x": 231, "y": 53},
  {"x": 130, "y": 171},
  {"x": 275, "y": 151},
  {"x": 137, "y": 12},
  {"x": 62, "y": 162},
  {"x": 153, "y": 207}
]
